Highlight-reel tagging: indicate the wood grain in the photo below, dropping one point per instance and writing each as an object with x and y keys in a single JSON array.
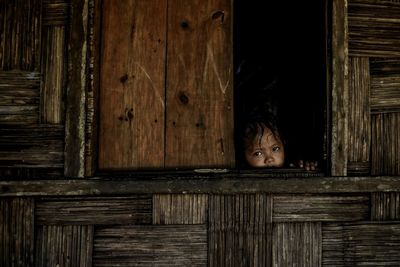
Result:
[
  {"x": 132, "y": 85},
  {"x": 199, "y": 126},
  {"x": 385, "y": 206}
]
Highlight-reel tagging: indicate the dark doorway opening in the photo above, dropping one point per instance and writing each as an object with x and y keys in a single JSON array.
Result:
[{"x": 280, "y": 55}]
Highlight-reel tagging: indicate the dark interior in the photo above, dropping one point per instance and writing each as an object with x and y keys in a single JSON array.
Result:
[{"x": 280, "y": 55}]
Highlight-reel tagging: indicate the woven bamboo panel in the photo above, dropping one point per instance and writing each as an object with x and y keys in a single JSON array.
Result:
[
  {"x": 304, "y": 208},
  {"x": 40, "y": 146},
  {"x": 94, "y": 210},
  {"x": 176, "y": 245},
  {"x": 67, "y": 246},
  {"x": 359, "y": 116},
  {"x": 240, "y": 230},
  {"x": 180, "y": 209},
  {"x": 374, "y": 28},
  {"x": 16, "y": 232},
  {"x": 296, "y": 244},
  {"x": 361, "y": 244},
  {"x": 19, "y": 31},
  {"x": 385, "y": 146},
  {"x": 385, "y": 206},
  {"x": 19, "y": 97},
  {"x": 385, "y": 85}
]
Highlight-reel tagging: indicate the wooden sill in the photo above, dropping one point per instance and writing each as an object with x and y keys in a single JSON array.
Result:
[{"x": 184, "y": 182}]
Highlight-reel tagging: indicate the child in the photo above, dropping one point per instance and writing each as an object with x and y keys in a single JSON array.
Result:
[{"x": 264, "y": 146}]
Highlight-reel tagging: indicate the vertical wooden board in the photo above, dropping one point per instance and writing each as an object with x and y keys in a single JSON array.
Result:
[
  {"x": 385, "y": 206},
  {"x": 305, "y": 208},
  {"x": 199, "y": 127},
  {"x": 17, "y": 232},
  {"x": 385, "y": 145},
  {"x": 296, "y": 244},
  {"x": 20, "y": 34},
  {"x": 176, "y": 245},
  {"x": 180, "y": 208},
  {"x": 54, "y": 74},
  {"x": 361, "y": 244},
  {"x": 359, "y": 116},
  {"x": 240, "y": 230},
  {"x": 340, "y": 92},
  {"x": 94, "y": 210},
  {"x": 132, "y": 82},
  {"x": 67, "y": 246}
]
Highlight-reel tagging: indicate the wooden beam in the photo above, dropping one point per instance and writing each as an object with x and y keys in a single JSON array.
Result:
[
  {"x": 198, "y": 184},
  {"x": 340, "y": 92}
]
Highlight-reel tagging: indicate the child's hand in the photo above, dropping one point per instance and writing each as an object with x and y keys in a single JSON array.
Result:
[{"x": 308, "y": 165}]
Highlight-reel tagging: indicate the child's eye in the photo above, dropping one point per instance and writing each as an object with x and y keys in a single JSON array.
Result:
[
  {"x": 276, "y": 148},
  {"x": 257, "y": 154}
]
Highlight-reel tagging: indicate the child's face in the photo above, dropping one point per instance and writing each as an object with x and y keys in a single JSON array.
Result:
[{"x": 265, "y": 152}]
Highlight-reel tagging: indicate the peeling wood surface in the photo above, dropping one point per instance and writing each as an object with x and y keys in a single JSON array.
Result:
[
  {"x": 199, "y": 126},
  {"x": 210, "y": 185}
]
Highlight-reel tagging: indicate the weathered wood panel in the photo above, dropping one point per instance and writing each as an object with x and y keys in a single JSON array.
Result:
[
  {"x": 132, "y": 84},
  {"x": 240, "y": 230},
  {"x": 385, "y": 206},
  {"x": 359, "y": 116},
  {"x": 385, "y": 85},
  {"x": 91, "y": 210},
  {"x": 74, "y": 163},
  {"x": 296, "y": 244},
  {"x": 374, "y": 28},
  {"x": 151, "y": 246},
  {"x": 40, "y": 146},
  {"x": 20, "y": 34},
  {"x": 55, "y": 12},
  {"x": 19, "y": 97},
  {"x": 67, "y": 246},
  {"x": 180, "y": 209},
  {"x": 361, "y": 244},
  {"x": 304, "y": 208},
  {"x": 16, "y": 232},
  {"x": 385, "y": 145},
  {"x": 340, "y": 89},
  {"x": 199, "y": 127}
]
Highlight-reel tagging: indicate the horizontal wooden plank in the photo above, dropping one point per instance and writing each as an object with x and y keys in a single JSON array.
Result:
[
  {"x": 94, "y": 210},
  {"x": 55, "y": 12},
  {"x": 302, "y": 208},
  {"x": 188, "y": 184},
  {"x": 176, "y": 245}
]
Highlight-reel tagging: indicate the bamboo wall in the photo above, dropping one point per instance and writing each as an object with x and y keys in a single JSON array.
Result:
[{"x": 57, "y": 210}]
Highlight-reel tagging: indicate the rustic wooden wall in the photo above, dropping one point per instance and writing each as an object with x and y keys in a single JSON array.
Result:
[{"x": 49, "y": 80}]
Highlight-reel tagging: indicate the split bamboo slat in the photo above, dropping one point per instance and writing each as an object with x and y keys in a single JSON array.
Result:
[
  {"x": 359, "y": 116},
  {"x": 17, "y": 232},
  {"x": 385, "y": 206},
  {"x": 68, "y": 245},
  {"x": 94, "y": 210},
  {"x": 180, "y": 209},
  {"x": 374, "y": 28},
  {"x": 161, "y": 245},
  {"x": 385, "y": 85},
  {"x": 309, "y": 208},
  {"x": 240, "y": 230},
  {"x": 361, "y": 244},
  {"x": 296, "y": 244},
  {"x": 385, "y": 145}
]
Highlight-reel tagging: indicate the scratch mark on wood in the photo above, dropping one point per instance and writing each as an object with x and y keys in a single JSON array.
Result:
[{"x": 210, "y": 55}]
